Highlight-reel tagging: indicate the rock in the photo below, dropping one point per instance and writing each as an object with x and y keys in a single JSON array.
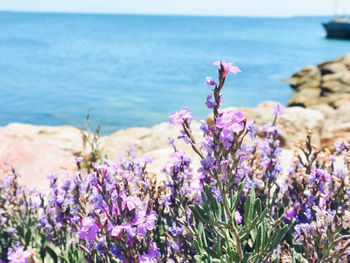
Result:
[
  {"x": 335, "y": 133},
  {"x": 267, "y": 104},
  {"x": 331, "y": 68},
  {"x": 333, "y": 99},
  {"x": 343, "y": 77},
  {"x": 66, "y": 138},
  {"x": 305, "y": 98},
  {"x": 325, "y": 109},
  {"x": 335, "y": 86},
  {"x": 144, "y": 139},
  {"x": 34, "y": 159},
  {"x": 297, "y": 121},
  {"x": 345, "y": 60},
  {"x": 326, "y": 84},
  {"x": 343, "y": 102},
  {"x": 309, "y": 77}
]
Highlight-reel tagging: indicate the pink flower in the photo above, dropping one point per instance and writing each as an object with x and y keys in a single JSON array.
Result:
[
  {"x": 178, "y": 118},
  {"x": 228, "y": 67},
  {"x": 278, "y": 109}
]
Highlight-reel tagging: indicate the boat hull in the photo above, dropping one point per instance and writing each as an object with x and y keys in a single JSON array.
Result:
[{"x": 339, "y": 30}]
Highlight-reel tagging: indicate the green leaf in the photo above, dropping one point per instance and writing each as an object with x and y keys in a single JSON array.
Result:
[
  {"x": 279, "y": 237},
  {"x": 28, "y": 237},
  {"x": 199, "y": 213},
  {"x": 249, "y": 207},
  {"x": 52, "y": 253},
  {"x": 234, "y": 200}
]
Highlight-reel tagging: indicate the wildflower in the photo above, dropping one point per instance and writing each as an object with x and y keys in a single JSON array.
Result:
[
  {"x": 278, "y": 109},
  {"x": 18, "y": 255},
  {"x": 144, "y": 222},
  {"x": 251, "y": 129},
  {"x": 117, "y": 252},
  {"x": 231, "y": 123},
  {"x": 209, "y": 82},
  {"x": 88, "y": 229},
  {"x": 52, "y": 176},
  {"x": 152, "y": 255},
  {"x": 227, "y": 66},
  {"x": 209, "y": 102},
  {"x": 131, "y": 202},
  {"x": 290, "y": 213},
  {"x": 238, "y": 217},
  {"x": 178, "y": 118},
  {"x": 79, "y": 159}
]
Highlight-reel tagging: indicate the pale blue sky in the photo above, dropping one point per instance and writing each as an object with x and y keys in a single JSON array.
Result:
[{"x": 196, "y": 7}]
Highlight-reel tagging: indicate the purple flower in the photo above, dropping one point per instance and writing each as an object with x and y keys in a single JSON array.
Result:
[
  {"x": 131, "y": 202},
  {"x": 52, "y": 176},
  {"x": 178, "y": 118},
  {"x": 339, "y": 146},
  {"x": 144, "y": 222},
  {"x": 18, "y": 255},
  {"x": 207, "y": 164},
  {"x": 209, "y": 102},
  {"x": 209, "y": 82},
  {"x": 230, "y": 122},
  {"x": 290, "y": 213},
  {"x": 238, "y": 217},
  {"x": 251, "y": 129},
  {"x": 175, "y": 230},
  {"x": 79, "y": 159},
  {"x": 117, "y": 252},
  {"x": 152, "y": 255},
  {"x": 278, "y": 109},
  {"x": 88, "y": 229}
]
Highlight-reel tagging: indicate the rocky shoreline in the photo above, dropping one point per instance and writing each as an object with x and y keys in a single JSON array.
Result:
[{"x": 321, "y": 104}]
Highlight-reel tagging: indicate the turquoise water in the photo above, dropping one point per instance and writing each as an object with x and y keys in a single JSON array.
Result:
[{"x": 135, "y": 70}]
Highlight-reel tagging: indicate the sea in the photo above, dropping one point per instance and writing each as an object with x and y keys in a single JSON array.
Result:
[{"x": 135, "y": 70}]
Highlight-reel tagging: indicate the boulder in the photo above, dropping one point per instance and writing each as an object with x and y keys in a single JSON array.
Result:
[
  {"x": 345, "y": 60},
  {"x": 309, "y": 77},
  {"x": 334, "y": 86},
  {"x": 327, "y": 111},
  {"x": 297, "y": 121},
  {"x": 333, "y": 67},
  {"x": 335, "y": 133},
  {"x": 33, "y": 158},
  {"x": 305, "y": 98},
  {"x": 343, "y": 77},
  {"x": 144, "y": 140},
  {"x": 66, "y": 138}
]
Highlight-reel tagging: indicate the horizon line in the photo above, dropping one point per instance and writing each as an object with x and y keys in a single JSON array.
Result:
[{"x": 161, "y": 14}]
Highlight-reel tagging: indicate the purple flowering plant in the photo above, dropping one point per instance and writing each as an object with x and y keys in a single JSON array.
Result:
[{"x": 238, "y": 206}]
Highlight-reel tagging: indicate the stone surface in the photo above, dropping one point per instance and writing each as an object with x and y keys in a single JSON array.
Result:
[
  {"x": 309, "y": 77},
  {"x": 305, "y": 98},
  {"x": 323, "y": 84},
  {"x": 36, "y": 151},
  {"x": 332, "y": 67}
]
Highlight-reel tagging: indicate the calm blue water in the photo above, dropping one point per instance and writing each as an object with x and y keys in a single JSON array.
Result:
[{"x": 136, "y": 70}]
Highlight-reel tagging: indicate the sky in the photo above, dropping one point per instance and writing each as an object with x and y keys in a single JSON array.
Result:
[{"x": 184, "y": 7}]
